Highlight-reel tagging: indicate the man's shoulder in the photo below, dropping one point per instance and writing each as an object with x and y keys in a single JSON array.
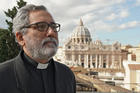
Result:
[
  {"x": 6, "y": 65},
  {"x": 63, "y": 67},
  {"x": 7, "y": 75}
]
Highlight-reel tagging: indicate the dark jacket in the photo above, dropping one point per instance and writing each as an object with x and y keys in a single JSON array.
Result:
[{"x": 14, "y": 77}]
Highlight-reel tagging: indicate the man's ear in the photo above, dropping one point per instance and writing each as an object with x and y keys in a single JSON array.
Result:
[{"x": 20, "y": 38}]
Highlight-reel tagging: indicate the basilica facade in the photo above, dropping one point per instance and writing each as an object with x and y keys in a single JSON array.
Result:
[{"x": 81, "y": 50}]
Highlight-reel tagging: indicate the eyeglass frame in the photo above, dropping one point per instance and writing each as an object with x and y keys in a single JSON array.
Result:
[{"x": 49, "y": 25}]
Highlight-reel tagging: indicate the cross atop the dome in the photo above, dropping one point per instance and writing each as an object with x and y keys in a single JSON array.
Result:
[{"x": 81, "y": 22}]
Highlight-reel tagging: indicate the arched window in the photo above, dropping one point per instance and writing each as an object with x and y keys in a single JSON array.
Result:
[
  {"x": 69, "y": 47},
  {"x": 78, "y": 40},
  {"x": 104, "y": 65},
  {"x": 82, "y": 40},
  {"x": 86, "y": 40},
  {"x": 82, "y": 64}
]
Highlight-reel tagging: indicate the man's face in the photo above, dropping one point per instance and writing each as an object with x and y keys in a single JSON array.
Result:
[{"x": 40, "y": 45}]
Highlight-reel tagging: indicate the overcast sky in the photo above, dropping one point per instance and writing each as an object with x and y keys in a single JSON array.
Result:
[{"x": 107, "y": 20}]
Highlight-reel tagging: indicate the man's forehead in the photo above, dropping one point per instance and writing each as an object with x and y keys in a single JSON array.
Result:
[{"x": 40, "y": 15}]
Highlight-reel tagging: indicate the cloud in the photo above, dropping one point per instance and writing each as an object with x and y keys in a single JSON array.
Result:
[
  {"x": 2, "y": 20},
  {"x": 69, "y": 9},
  {"x": 101, "y": 15},
  {"x": 137, "y": 3},
  {"x": 128, "y": 25},
  {"x": 111, "y": 16},
  {"x": 123, "y": 13},
  {"x": 5, "y": 4},
  {"x": 103, "y": 26},
  {"x": 110, "y": 27}
]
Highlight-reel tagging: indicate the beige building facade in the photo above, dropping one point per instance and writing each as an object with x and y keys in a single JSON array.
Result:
[
  {"x": 81, "y": 50},
  {"x": 132, "y": 75},
  {"x": 135, "y": 53}
]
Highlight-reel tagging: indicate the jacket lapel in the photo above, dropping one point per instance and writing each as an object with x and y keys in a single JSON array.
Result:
[
  {"x": 63, "y": 79},
  {"x": 57, "y": 79},
  {"x": 21, "y": 74},
  {"x": 60, "y": 83}
]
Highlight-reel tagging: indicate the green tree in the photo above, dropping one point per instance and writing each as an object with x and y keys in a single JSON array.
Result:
[{"x": 8, "y": 47}]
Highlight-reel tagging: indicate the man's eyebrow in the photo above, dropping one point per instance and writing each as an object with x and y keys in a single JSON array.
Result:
[{"x": 52, "y": 22}]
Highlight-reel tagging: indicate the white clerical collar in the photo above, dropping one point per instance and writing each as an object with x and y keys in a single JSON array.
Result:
[{"x": 42, "y": 66}]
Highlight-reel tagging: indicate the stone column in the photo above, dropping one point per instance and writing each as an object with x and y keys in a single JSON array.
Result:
[
  {"x": 120, "y": 61},
  {"x": 73, "y": 60},
  {"x": 73, "y": 40},
  {"x": 91, "y": 66},
  {"x": 80, "y": 41},
  {"x": 100, "y": 61},
  {"x": 84, "y": 40},
  {"x": 76, "y": 40},
  {"x": 107, "y": 61},
  {"x": 112, "y": 64},
  {"x": 85, "y": 61},
  {"x": 96, "y": 61},
  {"x": 79, "y": 61},
  {"x": 76, "y": 60}
]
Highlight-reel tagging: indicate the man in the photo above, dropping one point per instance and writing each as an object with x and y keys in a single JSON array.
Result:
[{"x": 34, "y": 70}]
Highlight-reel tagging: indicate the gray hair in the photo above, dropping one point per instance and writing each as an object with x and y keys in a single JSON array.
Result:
[{"x": 22, "y": 17}]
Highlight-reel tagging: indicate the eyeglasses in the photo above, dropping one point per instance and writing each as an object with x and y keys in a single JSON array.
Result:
[{"x": 44, "y": 26}]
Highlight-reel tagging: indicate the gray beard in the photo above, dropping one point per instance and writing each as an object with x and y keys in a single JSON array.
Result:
[{"x": 39, "y": 50}]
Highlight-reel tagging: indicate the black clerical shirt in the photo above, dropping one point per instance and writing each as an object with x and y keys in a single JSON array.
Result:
[{"x": 41, "y": 80}]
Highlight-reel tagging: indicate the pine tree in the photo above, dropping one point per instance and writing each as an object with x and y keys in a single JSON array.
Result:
[{"x": 8, "y": 47}]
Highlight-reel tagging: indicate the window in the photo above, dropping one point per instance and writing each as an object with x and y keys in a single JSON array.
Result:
[
  {"x": 93, "y": 56},
  {"x": 93, "y": 65},
  {"x": 69, "y": 47},
  {"x": 86, "y": 39},
  {"x": 104, "y": 56},
  {"x": 78, "y": 40},
  {"x": 68, "y": 57},
  {"x": 104, "y": 65},
  {"x": 82, "y": 64},
  {"x": 82, "y": 40}
]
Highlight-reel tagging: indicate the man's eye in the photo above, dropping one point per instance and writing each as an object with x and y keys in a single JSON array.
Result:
[
  {"x": 54, "y": 26},
  {"x": 42, "y": 25},
  {"x": 34, "y": 27}
]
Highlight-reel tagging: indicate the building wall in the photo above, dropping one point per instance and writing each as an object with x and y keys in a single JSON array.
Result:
[
  {"x": 133, "y": 80},
  {"x": 138, "y": 55},
  {"x": 136, "y": 52},
  {"x": 132, "y": 75},
  {"x": 80, "y": 50},
  {"x": 138, "y": 80},
  {"x": 95, "y": 54},
  {"x": 127, "y": 75}
]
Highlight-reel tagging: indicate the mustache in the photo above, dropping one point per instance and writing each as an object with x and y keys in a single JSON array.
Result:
[{"x": 50, "y": 39}]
